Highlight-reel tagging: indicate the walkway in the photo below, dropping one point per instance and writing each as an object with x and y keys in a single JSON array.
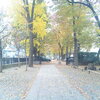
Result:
[{"x": 50, "y": 84}]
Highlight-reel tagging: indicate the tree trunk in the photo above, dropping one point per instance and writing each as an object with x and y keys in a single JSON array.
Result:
[
  {"x": 67, "y": 55},
  {"x": 70, "y": 52},
  {"x": 75, "y": 51},
  {"x": 59, "y": 57},
  {"x": 98, "y": 55},
  {"x": 26, "y": 55},
  {"x": 39, "y": 55},
  {"x": 31, "y": 45},
  {"x": 0, "y": 56},
  {"x": 29, "y": 18},
  {"x": 75, "y": 40},
  {"x": 78, "y": 47},
  {"x": 35, "y": 52},
  {"x": 62, "y": 53},
  {"x": 18, "y": 59}
]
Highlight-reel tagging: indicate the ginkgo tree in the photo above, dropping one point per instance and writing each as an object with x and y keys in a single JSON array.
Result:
[
  {"x": 60, "y": 37},
  {"x": 31, "y": 13}
]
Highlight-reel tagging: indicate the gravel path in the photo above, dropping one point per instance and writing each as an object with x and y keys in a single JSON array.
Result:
[
  {"x": 50, "y": 84},
  {"x": 16, "y": 82},
  {"x": 87, "y": 84}
]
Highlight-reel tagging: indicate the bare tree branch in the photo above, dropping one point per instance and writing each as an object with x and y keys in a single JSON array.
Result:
[
  {"x": 26, "y": 8},
  {"x": 5, "y": 36},
  {"x": 3, "y": 29},
  {"x": 23, "y": 15},
  {"x": 78, "y": 2}
]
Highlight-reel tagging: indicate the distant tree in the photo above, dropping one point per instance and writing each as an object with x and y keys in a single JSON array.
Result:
[
  {"x": 80, "y": 25},
  {"x": 16, "y": 39},
  {"x": 89, "y": 5},
  {"x": 3, "y": 27}
]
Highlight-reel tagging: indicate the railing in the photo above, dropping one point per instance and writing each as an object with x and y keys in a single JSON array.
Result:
[
  {"x": 12, "y": 62},
  {"x": 5, "y": 66}
]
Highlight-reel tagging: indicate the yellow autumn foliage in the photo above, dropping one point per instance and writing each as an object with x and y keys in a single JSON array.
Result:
[
  {"x": 40, "y": 20},
  {"x": 40, "y": 17}
]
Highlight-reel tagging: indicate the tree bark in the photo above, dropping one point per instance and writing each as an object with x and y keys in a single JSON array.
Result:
[
  {"x": 61, "y": 53},
  {"x": 67, "y": 55},
  {"x": 98, "y": 55},
  {"x": 26, "y": 55},
  {"x": 29, "y": 18},
  {"x": 31, "y": 45},
  {"x": 59, "y": 57},
  {"x": 35, "y": 51},
  {"x": 0, "y": 57},
  {"x": 75, "y": 50},
  {"x": 70, "y": 52},
  {"x": 75, "y": 41},
  {"x": 18, "y": 59}
]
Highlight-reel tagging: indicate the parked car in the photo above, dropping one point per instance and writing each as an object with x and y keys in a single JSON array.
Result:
[{"x": 40, "y": 58}]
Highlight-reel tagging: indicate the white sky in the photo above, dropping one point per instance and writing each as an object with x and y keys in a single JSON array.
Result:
[{"x": 4, "y": 4}]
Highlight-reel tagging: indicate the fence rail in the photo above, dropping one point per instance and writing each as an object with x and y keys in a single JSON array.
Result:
[
  {"x": 12, "y": 65},
  {"x": 12, "y": 62}
]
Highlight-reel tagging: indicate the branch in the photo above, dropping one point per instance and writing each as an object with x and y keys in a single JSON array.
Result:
[
  {"x": 78, "y": 3},
  {"x": 5, "y": 36},
  {"x": 26, "y": 8},
  {"x": 89, "y": 6},
  {"x": 24, "y": 2},
  {"x": 3, "y": 29},
  {"x": 23, "y": 15},
  {"x": 33, "y": 6}
]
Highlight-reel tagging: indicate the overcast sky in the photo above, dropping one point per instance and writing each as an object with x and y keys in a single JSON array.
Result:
[{"x": 5, "y": 4}]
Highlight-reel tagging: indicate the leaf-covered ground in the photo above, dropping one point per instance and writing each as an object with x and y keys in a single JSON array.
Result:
[
  {"x": 16, "y": 82},
  {"x": 87, "y": 84}
]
